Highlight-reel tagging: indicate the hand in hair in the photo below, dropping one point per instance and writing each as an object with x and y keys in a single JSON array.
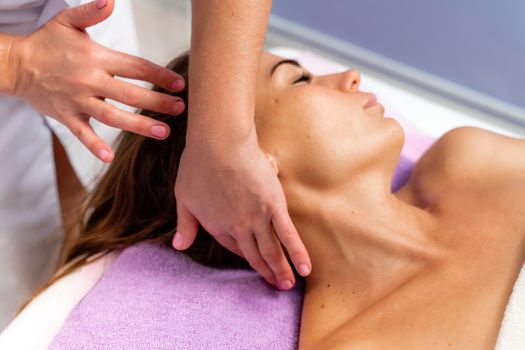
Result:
[
  {"x": 239, "y": 200},
  {"x": 62, "y": 73}
]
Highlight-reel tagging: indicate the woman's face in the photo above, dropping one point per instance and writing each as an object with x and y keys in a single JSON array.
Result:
[{"x": 320, "y": 129}]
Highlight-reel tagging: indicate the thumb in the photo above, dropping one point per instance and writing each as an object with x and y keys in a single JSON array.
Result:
[
  {"x": 86, "y": 15},
  {"x": 187, "y": 228}
]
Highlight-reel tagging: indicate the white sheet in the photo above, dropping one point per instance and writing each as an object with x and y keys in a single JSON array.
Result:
[{"x": 37, "y": 325}]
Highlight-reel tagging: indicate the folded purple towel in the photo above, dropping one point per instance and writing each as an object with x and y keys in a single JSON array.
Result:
[
  {"x": 155, "y": 298},
  {"x": 402, "y": 173}
]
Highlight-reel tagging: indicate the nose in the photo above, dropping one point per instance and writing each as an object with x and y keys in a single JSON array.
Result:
[
  {"x": 347, "y": 81},
  {"x": 350, "y": 81}
]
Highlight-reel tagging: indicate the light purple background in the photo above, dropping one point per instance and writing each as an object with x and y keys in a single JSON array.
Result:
[{"x": 479, "y": 44}]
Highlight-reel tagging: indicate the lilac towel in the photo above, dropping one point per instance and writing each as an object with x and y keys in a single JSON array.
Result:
[
  {"x": 402, "y": 173},
  {"x": 155, "y": 298}
]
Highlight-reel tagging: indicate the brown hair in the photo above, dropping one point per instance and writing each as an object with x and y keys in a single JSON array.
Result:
[{"x": 134, "y": 201}]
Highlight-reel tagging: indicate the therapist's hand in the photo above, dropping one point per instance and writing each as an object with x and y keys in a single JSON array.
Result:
[
  {"x": 234, "y": 192},
  {"x": 64, "y": 74}
]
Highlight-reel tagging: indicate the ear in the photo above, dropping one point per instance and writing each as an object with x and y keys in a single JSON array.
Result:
[{"x": 273, "y": 162}]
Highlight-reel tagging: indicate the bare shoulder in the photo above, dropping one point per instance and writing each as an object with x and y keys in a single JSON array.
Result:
[
  {"x": 472, "y": 154},
  {"x": 482, "y": 145}
]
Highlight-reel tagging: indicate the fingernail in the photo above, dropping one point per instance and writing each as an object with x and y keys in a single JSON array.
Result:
[
  {"x": 101, "y": 4},
  {"x": 177, "y": 241},
  {"x": 285, "y": 285},
  {"x": 159, "y": 131},
  {"x": 304, "y": 270},
  {"x": 178, "y": 85},
  {"x": 178, "y": 107},
  {"x": 105, "y": 155}
]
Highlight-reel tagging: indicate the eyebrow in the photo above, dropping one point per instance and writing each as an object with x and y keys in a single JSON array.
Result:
[{"x": 287, "y": 61}]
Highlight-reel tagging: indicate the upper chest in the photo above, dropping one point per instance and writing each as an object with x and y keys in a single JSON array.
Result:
[{"x": 457, "y": 304}]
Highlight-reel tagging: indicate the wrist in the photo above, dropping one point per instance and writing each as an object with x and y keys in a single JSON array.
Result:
[
  {"x": 220, "y": 133},
  {"x": 221, "y": 143},
  {"x": 9, "y": 63}
]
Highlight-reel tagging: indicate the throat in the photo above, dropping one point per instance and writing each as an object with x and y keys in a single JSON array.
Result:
[{"x": 360, "y": 257}]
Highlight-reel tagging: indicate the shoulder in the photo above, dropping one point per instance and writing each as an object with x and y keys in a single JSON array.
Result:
[
  {"x": 45, "y": 315},
  {"x": 469, "y": 163},
  {"x": 479, "y": 142},
  {"x": 479, "y": 146},
  {"x": 471, "y": 154}
]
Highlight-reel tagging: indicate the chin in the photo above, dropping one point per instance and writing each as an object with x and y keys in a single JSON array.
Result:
[{"x": 396, "y": 133}]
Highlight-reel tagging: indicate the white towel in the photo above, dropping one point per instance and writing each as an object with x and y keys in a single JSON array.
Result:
[{"x": 512, "y": 332}]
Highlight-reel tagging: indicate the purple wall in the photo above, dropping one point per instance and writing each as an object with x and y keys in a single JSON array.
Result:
[{"x": 479, "y": 44}]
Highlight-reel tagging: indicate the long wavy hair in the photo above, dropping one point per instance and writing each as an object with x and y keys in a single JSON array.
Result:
[{"x": 134, "y": 201}]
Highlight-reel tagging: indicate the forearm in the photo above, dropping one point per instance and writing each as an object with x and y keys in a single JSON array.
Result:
[
  {"x": 226, "y": 44},
  {"x": 7, "y": 69}
]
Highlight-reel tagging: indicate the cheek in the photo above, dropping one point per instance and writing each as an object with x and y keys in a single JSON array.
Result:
[{"x": 313, "y": 137}]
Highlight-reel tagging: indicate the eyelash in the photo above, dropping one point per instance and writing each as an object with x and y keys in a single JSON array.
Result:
[{"x": 306, "y": 77}]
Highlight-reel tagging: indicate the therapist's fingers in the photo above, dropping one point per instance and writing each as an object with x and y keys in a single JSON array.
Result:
[
  {"x": 80, "y": 127},
  {"x": 250, "y": 251},
  {"x": 129, "y": 66},
  {"x": 139, "y": 97},
  {"x": 87, "y": 15},
  {"x": 229, "y": 243},
  {"x": 289, "y": 237},
  {"x": 187, "y": 228},
  {"x": 273, "y": 254},
  {"x": 132, "y": 122}
]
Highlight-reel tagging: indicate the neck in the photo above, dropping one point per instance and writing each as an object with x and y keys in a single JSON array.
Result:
[{"x": 364, "y": 243}]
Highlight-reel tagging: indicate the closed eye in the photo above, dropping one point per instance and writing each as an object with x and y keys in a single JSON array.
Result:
[{"x": 305, "y": 77}]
